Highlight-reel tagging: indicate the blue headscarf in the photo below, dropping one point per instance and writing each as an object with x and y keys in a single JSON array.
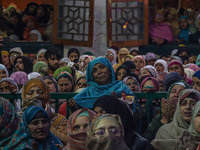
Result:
[
  {"x": 197, "y": 60},
  {"x": 184, "y": 33},
  {"x": 51, "y": 140},
  {"x": 88, "y": 96},
  {"x": 197, "y": 74}
]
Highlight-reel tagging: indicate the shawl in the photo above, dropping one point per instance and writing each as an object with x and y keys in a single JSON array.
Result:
[
  {"x": 161, "y": 30},
  {"x": 151, "y": 69},
  {"x": 197, "y": 74},
  {"x": 77, "y": 141},
  {"x": 19, "y": 77},
  {"x": 4, "y": 68},
  {"x": 196, "y": 109},
  {"x": 164, "y": 63},
  {"x": 40, "y": 52},
  {"x": 122, "y": 50},
  {"x": 51, "y": 140},
  {"x": 192, "y": 66},
  {"x": 168, "y": 134},
  {"x": 189, "y": 73},
  {"x": 12, "y": 133},
  {"x": 88, "y": 96},
  {"x": 115, "y": 56},
  {"x": 28, "y": 64}
]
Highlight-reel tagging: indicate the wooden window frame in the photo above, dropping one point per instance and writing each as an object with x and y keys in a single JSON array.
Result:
[{"x": 126, "y": 43}]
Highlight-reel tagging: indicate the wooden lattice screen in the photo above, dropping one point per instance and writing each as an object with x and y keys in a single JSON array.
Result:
[
  {"x": 73, "y": 22},
  {"x": 126, "y": 23}
]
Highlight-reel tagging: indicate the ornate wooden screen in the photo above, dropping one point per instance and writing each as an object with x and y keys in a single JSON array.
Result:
[
  {"x": 127, "y": 22},
  {"x": 73, "y": 23}
]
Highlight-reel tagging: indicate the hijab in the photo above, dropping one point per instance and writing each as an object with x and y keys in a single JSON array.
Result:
[
  {"x": 28, "y": 64},
  {"x": 19, "y": 77},
  {"x": 134, "y": 78},
  {"x": 40, "y": 52},
  {"x": 4, "y": 68},
  {"x": 114, "y": 55},
  {"x": 198, "y": 60},
  {"x": 169, "y": 133},
  {"x": 51, "y": 140},
  {"x": 33, "y": 75},
  {"x": 122, "y": 50},
  {"x": 164, "y": 63},
  {"x": 91, "y": 93},
  {"x": 197, "y": 74},
  {"x": 151, "y": 69},
  {"x": 154, "y": 80},
  {"x": 53, "y": 80},
  {"x": 77, "y": 141}
]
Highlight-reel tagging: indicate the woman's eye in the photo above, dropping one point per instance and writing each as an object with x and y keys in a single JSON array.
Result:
[{"x": 76, "y": 128}]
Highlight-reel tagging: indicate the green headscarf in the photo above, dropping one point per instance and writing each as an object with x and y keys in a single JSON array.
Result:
[
  {"x": 39, "y": 65},
  {"x": 63, "y": 69}
]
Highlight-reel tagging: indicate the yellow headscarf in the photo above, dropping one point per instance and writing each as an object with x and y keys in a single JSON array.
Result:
[
  {"x": 122, "y": 50},
  {"x": 5, "y": 53}
]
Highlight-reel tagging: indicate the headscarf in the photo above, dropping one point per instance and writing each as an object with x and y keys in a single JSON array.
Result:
[
  {"x": 189, "y": 73},
  {"x": 151, "y": 69},
  {"x": 122, "y": 67},
  {"x": 39, "y": 35},
  {"x": 114, "y": 55},
  {"x": 163, "y": 62},
  {"x": 169, "y": 133},
  {"x": 195, "y": 110},
  {"x": 184, "y": 33},
  {"x": 155, "y": 82},
  {"x": 5, "y": 53},
  {"x": 40, "y": 67},
  {"x": 51, "y": 140},
  {"x": 16, "y": 50},
  {"x": 131, "y": 77},
  {"x": 130, "y": 64},
  {"x": 119, "y": 60},
  {"x": 140, "y": 57},
  {"x": 4, "y": 68},
  {"x": 34, "y": 82},
  {"x": 65, "y": 59},
  {"x": 11, "y": 81},
  {"x": 170, "y": 78},
  {"x": 197, "y": 60},
  {"x": 40, "y": 52},
  {"x": 19, "y": 77},
  {"x": 176, "y": 58},
  {"x": 28, "y": 64},
  {"x": 53, "y": 80},
  {"x": 60, "y": 70},
  {"x": 197, "y": 74},
  {"x": 175, "y": 62},
  {"x": 12, "y": 132},
  {"x": 33, "y": 75},
  {"x": 88, "y": 96},
  {"x": 77, "y": 141},
  {"x": 192, "y": 66}
]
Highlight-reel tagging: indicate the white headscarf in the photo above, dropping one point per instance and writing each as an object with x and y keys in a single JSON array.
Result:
[
  {"x": 39, "y": 35},
  {"x": 4, "y": 68},
  {"x": 33, "y": 75},
  {"x": 115, "y": 56},
  {"x": 164, "y": 63}
]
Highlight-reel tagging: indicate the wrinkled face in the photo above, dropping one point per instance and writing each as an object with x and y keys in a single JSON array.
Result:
[
  {"x": 19, "y": 65},
  {"x": 13, "y": 56},
  {"x": 5, "y": 59},
  {"x": 175, "y": 91},
  {"x": 41, "y": 57},
  {"x": 159, "y": 18},
  {"x": 81, "y": 84},
  {"x": 176, "y": 68},
  {"x": 197, "y": 122},
  {"x": 196, "y": 83},
  {"x": 107, "y": 127},
  {"x": 81, "y": 123},
  {"x": 132, "y": 84},
  {"x": 159, "y": 67},
  {"x": 2, "y": 74},
  {"x": 186, "y": 107},
  {"x": 138, "y": 63},
  {"x": 65, "y": 84},
  {"x": 109, "y": 56},
  {"x": 148, "y": 86},
  {"x": 53, "y": 63},
  {"x": 101, "y": 74},
  {"x": 39, "y": 128},
  {"x": 73, "y": 56},
  {"x": 33, "y": 91},
  {"x": 183, "y": 23},
  {"x": 99, "y": 111},
  {"x": 5, "y": 87},
  {"x": 50, "y": 85},
  {"x": 121, "y": 73},
  {"x": 143, "y": 73}
]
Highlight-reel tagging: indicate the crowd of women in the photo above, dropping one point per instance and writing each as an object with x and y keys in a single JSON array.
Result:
[{"x": 105, "y": 113}]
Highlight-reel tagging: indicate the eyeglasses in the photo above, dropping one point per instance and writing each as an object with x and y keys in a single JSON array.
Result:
[
  {"x": 107, "y": 54},
  {"x": 13, "y": 56},
  {"x": 111, "y": 131}
]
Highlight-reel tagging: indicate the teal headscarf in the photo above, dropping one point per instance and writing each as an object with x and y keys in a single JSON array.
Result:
[
  {"x": 192, "y": 130},
  {"x": 51, "y": 140},
  {"x": 197, "y": 60},
  {"x": 90, "y": 94}
]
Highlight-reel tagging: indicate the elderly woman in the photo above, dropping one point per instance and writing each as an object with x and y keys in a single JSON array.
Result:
[
  {"x": 123, "y": 52},
  {"x": 106, "y": 132},
  {"x": 37, "y": 126},
  {"x": 35, "y": 92},
  {"x": 12, "y": 133},
  {"x": 170, "y": 133},
  {"x": 191, "y": 138},
  {"x": 101, "y": 80},
  {"x": 76, "y": 129}
]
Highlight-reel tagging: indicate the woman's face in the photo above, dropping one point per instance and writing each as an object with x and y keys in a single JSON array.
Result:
[
  {"x": 197, "y": 122},
  {"x": 109, "y": 56},
  {"x": 101, "y": 74},
  {"x": 5, "y": 87},
  {"x": 73, "y": 56},
  {"x": 186, "y": 107},
  {"x": 159, "y": 68},
  {"x": 122, "y": 55},
  {"x": 50, "y": 85},
  {"x": 2, "y": 74},
  {"x": 132, "y": 84},
  {"x": 41, "y": 57},
  {"x": 107, "y": 127},
  {"x": 81, "y": 84},
  {"x": 5, "y": 59},
  {"x": 65, "y": 84},
  {"x": 99, "y": 111},
  {"x": 148, "y": 86},
  {"x": 183, "y": 23},
  {"x": 138, "y": 63},
  {"x": 34, "y": 37},
  {"x": 33, "y": 91},
  {"x": 159, "y": 17},
  {"x": 121, "y": 73},
  {"x": 175, "y": 91},
  {"x": 196, "y": 83},
  {"x": 39, "y": 127},
  {"x": 143, "y": 73},
  {"x": 81, "y": 123},
  {"x": 176, "y": 68}
]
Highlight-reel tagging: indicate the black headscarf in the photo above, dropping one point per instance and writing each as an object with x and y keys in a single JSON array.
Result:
[
  {"x": 129, "y": 64},
  {"x": 28, "y": 64},
  {"x": 124, "y": 67},
  {"x": 171, "y": 78}
]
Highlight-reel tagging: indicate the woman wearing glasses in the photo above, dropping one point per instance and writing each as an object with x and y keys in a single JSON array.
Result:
[{"x": 111, "y": 55}]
